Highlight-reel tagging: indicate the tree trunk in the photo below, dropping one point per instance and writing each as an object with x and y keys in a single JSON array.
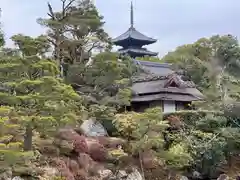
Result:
[{"x": 28, "y": 138}]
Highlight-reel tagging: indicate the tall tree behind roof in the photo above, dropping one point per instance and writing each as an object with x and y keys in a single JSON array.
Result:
[{"x": 75, "y": 30}]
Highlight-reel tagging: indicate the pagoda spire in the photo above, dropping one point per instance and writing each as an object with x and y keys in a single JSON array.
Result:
[{"x": 131, "y": 18}]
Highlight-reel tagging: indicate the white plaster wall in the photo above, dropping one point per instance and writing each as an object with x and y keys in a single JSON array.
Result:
[{"x": 169, "y": 106}]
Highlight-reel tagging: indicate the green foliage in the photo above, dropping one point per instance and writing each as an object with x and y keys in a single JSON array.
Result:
[
  {"x": 213, "y": 64},
  {"x": 40, "y": 100},
  {"x": 149, "y": 58},
  {"x": 142, "y": 130},
  {"x": 104, "y": 85},
  {"x": 75, "y": 31}
]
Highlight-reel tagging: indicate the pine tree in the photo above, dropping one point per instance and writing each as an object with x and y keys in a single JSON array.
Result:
[
  {"x": 42, "y": 102},
  {"x": 75, "y": 31}
]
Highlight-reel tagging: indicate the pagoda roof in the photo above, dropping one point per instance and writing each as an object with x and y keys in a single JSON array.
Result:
[
  {"x": 138, "y": 51},
  {"x": 133, "y": 34}
]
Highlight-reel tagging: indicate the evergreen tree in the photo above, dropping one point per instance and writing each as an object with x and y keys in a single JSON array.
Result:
[
  {"x": 75, "y": 31},
  {"x": 42, "y": 102}
]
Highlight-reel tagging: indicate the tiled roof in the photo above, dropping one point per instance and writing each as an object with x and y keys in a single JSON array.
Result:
[
  {"x": 166, "y": 96},
  {"x": 155, "y": 68},
  {"x": 142, "y": 51},
  {"x": 154, "y": 83},
  {"x": 133, "y": 34}
]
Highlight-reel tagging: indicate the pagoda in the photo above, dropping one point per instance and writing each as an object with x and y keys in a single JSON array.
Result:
[{"x": 132, "y": 41}]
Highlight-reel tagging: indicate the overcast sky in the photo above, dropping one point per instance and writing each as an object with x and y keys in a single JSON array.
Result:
[{"x": 172, "y": 22}]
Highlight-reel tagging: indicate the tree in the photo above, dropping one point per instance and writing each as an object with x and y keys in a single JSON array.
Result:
[
  {"x": 213, "y": 64},
  {"x": 148, "y": 58},
  {"x": 75, "y": 31},
  {"x": 42, "y": 102},
  {"x": 105, "y": 85}
]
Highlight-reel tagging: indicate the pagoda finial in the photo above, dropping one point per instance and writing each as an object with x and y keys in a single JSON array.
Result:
[{"x": 132, "y": 15}]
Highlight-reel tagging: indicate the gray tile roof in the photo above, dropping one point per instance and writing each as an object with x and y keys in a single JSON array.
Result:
[
  {"x": 166, "y": 96},
  {"x": 133, "y": 34},
  {"x": 159, "y": 69},
  {"x": 151, "y": 84},
  {"x": 138, "y": 51}
]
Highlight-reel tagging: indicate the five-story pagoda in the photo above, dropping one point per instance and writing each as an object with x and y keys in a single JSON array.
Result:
[{"x": 132, "y": 42}]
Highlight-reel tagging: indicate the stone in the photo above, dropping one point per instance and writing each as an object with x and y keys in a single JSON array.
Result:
[
  {"x": 183, "y": 178},
  {"x": 196, "y": 175},
  {"x": 223, "y": 177},
  {"x": 122, "y": 174},
  {"x": 17, "y": 178},
  {"x": 134, "y": 175},
  {"x": 104, "y": 173},
  {"x": 6, "y": 175},
  {"x": 49, "y": 173},
  {"x": 93, "y": 128}
]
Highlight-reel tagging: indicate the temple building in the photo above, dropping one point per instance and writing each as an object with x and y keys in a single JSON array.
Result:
[
  {"x": 157, "y": 84},
  {"x": 132, "y": 42}
]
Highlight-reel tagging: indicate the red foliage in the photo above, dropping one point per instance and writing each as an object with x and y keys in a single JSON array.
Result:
[
  {"x": 59, "y": 163},
  {"x": 80, "y": 144},
  {"x": 73, "y": 166},
  {"x": 175, "y": 122},
  {"x": 85, "y": 161},
  {"x": 81, "y": 175},
  {"x": 67, "y": 174},
  {"x": 97, "y": 151}
]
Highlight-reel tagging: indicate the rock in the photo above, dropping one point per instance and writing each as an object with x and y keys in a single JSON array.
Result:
[
  {"x": 104, "y": 173},
  {"x": 196, "y": 175},
  {"x": 135, "y": 175},
  {"x": 93, "y": 128},
  {"x": 6, "y": 175},
  {"x": 183, "y": 178},
  {"x": 223, "y": 177},
  {"x": 122, "y": 174},
  {"x": 49, "y": 173},
  {"x": 17, "y": 178}
]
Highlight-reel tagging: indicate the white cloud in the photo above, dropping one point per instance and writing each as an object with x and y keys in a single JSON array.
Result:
[{"x": 172, "y": 22}]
